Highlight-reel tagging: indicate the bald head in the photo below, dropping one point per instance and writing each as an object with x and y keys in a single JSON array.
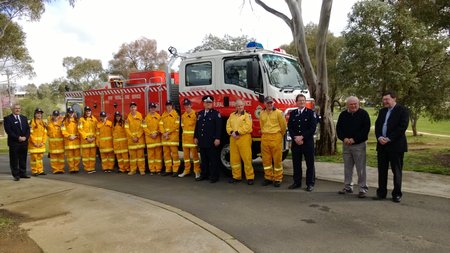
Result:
[
  {"x": 239, "y": 105},
  {"x": 352, "y": 104}
]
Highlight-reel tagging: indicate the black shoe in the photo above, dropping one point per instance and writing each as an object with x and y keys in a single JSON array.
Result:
[
  {"x": 309, "y": 188},
  {"x": 294, "y": 186},
  {"x": 174, "y": 174},
  {"x": 16, "y": 179},
  {"x": 250, "y": 182},
  {"x": 200, "y": 178},
  {"x": 164, "y": 174},
  {"x": 266, "y": 182},
  {"x": 234, "y": 181},
  {"x": 73, "y": 172},
  {"x": 58, "y": 172},
  {"x": 34, "y": 175},
  {"x": 345, "y": 191},
  {"x": 42, "y": 174},
  {"x": 277, "y": 184},
  {"x": 24, "y": 176},
  {"x": 379, "y": 198},
  {"x": 362, "y": 195},
  {"x": 212, "y": 181},
  {"x": 397, "y": 199}
]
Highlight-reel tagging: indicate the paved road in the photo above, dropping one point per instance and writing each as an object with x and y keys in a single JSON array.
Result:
[{"x": 267, "y": 219}]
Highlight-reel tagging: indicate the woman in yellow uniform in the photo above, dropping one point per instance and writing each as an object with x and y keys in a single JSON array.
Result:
[
  {"x": 120, "y": 143},
  {"x": 153, "y": 140},
  {"x": 105, "y": 142},
  {"x": 136, "y": 140},
  {"x": 69, "y": 129},
  {"x": 56, "y": 143},
  {"x": 36, "y": 144},
  {"x": 87, "y": 129},
  {"x": 169, "y": 127}
]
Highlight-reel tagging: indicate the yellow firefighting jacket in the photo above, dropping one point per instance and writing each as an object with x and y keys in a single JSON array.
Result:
[
  {"x": 133, "y": 127},
  {"x": 120, "y": 140},
  {"x": 87, "y": 127},
  {"x": 104, "y": 136},
  {"x": 38, "y": 135},
  {"x": 151, "y": 126},
  {"x": 272, "y": 121},
  {"x": 55, "y": 136},
  {"x": 70, "y": 128},
  {"x": 170, "y": 123},
  {"x": 240, "y": 123},
  {"x": 188, "y": 121}
]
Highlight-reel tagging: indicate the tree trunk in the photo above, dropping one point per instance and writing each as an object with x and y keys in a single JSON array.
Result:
[
  {"x": 326, "y": 145},
  {"x": 414, "y": 117}
]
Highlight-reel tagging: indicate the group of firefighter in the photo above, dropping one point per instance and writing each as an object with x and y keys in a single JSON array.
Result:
[{"x": 126, "y": 138}]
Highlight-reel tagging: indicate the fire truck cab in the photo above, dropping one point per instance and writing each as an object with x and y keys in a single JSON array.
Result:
[{"x": 250, "y": 75}]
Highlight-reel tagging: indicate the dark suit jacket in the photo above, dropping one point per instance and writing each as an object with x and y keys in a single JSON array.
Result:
[
  {"x": 14, "y": 131},
  {"x": 302, "y": 124},
  {"x": 396, "y": 127}
]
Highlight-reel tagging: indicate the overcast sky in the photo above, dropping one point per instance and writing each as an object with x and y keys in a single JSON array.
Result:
[{"x": 95, "y": 29}]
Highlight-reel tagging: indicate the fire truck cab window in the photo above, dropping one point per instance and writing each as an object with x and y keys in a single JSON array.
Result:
[
  {"x": 198, "y": 74},
  {"x": 235, "y": 71}
]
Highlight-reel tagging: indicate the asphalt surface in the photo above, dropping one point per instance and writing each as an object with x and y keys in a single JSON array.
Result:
[{"x": 269, "y": 219}]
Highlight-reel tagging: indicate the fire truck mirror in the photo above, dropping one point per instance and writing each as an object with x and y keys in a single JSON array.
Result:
[
  {"x": 95, "y": 105},
  {"x": 115, "y": 105},
  {"x": 226, "y": 101},
  {"x": 253, "y": 76},
  {"x": 261, "y": 98}
]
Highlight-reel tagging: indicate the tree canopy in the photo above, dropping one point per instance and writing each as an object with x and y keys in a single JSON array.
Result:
[
  {"x": 87, "y": 73},
  {"x": 388, "y": 48},
  {"x": 228, "y": 42},
  {"x": 138, "y": 55}
]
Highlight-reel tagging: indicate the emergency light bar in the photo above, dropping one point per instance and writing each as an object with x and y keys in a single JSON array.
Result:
[{"x": 254, "y": 44}]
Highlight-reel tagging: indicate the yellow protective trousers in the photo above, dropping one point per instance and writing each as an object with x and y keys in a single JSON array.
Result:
[
  {"x": 88, "y": 158},
  {"x": 171, "y": 158},
  {"x": 73, "y": 159},
  {"x": 137, "y": 160},
  {"x": 154, "y": 159},
  {"x": 191, "y": 152},
  {"x": 107, "y": 160},
  {"x": 271, "y": 145},
  {"x": 57, "y": 162},
  {"x": 123, "y": 161},
  {"x": 241, "y": 149},
  {"x": 36, "y": 164}
]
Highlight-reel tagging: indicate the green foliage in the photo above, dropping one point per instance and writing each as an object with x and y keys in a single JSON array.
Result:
[
  {"x": 86, "y": 73},
  {"x": 138, "y": 55},
  {"x": 30, "y": 104},
  {"x": 211, "y": 42},
  {"x": 387, "y": 48}
]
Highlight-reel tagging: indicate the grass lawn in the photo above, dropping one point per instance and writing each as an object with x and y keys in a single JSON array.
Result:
[
  {"x": 3, "y": 145},
  {"x": 426, "y": 153}
]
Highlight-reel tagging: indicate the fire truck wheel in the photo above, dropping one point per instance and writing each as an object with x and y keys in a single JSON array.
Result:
[{"x": 225, "y": 159}]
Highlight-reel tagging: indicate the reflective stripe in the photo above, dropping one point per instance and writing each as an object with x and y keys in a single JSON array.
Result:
[
  {"x": 169, "y": 143},
  {"x": 106, "y": 150},
  {"x": 196, "y": 161},
  {"x": 55, "y": 139},
  {"x": 158, "y": 161},
  {"x": 176, "y": 162},
  {"x": 72, "y": 147},
  {"x": 170, "y": 161},
  {"x": 56, "y": 151},
  {"x": 153, "y": 145},
  {"x": 90, "y": 145},
  {"x": 190, "y": 145},
  {"x": 105, "y": 138},
  {"x": 187, "y": 160},
  {"x": 236, "y": 166},
  {"x": 120, "y": 139},
  {"x": 188, "y": 132},
  {"x": 268, "y": 168},
  {"x": 278, "y": 169}
]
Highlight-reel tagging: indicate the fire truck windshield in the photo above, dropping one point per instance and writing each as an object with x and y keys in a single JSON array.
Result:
[{"x": 284, "y": 73}]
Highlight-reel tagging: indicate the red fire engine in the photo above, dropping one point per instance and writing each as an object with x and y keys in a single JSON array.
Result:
[{"x": 249, "y": 75}]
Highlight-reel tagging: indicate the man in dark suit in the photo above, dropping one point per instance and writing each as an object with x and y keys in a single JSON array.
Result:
[
  {"x": 302, "y": 126},
  {"x": 390, "y": 128},
  {"x": 208, "y": 130},
  {"x": 18, "y": 130}
]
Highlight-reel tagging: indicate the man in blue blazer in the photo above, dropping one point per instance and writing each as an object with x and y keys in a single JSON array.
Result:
[
  {"x": 302, "y": 126},
  {"x": 390, "y": 128},
  {"x": 18, "y": 130}
]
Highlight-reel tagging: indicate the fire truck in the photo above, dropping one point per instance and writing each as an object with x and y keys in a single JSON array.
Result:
[{"x": 249, "y": 74}]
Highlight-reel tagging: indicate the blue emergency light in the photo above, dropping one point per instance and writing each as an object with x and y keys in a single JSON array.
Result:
[{"x": 254, "y": 44}]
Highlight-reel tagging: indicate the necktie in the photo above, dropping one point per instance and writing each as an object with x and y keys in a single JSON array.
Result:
[{"x": 18, "y": 119}]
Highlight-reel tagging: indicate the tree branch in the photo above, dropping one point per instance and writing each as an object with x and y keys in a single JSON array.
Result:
[{"x": 283, "y": 17}]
